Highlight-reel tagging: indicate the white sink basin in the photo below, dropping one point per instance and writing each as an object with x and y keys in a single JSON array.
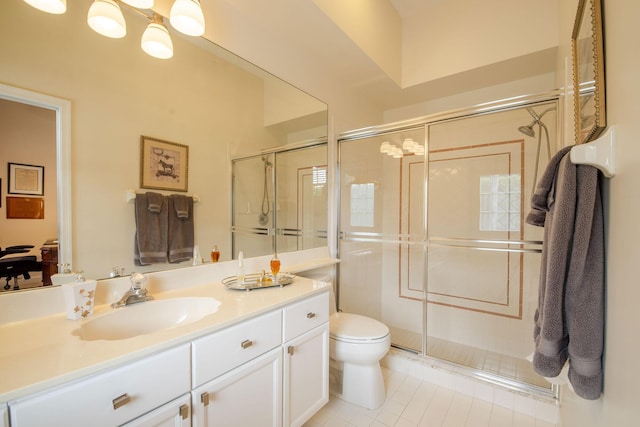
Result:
[{"x": 146, "y": 317}]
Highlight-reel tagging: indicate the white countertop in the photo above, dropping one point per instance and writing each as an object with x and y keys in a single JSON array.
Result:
[{"x": 42, "y": 352}]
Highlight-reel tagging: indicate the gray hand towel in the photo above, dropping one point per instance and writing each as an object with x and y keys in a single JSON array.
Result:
[
  {"x": 181, "y": 205},
  {"x": 150, "y": 246},
  {"x": 155, "y": 201},
  {"x": 181, "y": 230},
  {"x": 569, "y": 321}
]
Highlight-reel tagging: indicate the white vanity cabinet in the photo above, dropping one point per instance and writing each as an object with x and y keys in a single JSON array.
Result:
[
  {"x": 306, "y": 359},
  {"x": 268, "y": 371},
  {"x": 112, "y": 398},
  {"x": 237, "y": 374}
]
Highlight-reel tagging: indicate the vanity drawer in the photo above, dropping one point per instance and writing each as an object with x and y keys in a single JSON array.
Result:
[
  {"x": 222, "y": 351},
  {"x": 112, "y": 398},
  {"x": 305, "y": 315}
]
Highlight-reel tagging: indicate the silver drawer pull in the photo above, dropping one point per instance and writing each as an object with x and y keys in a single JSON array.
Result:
[
  {"x": 311, "y": 315},
  {"x": 121, "y": 401},
  {"x": 246, "y": 343}
]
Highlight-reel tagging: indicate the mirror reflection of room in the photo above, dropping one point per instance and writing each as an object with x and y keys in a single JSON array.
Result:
[
  {"x": 28, "y": 241},
  {"x": 204, "y": 97}
]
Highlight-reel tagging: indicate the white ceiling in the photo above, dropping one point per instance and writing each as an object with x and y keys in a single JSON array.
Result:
[{"x": 302, "y": 24}]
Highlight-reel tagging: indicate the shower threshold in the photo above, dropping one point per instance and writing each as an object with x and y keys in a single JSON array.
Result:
[{"x": 516, "y": 373}]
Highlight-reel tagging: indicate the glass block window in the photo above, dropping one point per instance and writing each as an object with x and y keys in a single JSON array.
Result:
[
  {"x": 500, "y": 202},
  {"x": 362, "y": 203}
]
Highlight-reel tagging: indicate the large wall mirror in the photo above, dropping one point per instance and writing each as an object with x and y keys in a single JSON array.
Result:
[
  {"x": 588, "y": 72},
  {"x": 206, "y": 98}
]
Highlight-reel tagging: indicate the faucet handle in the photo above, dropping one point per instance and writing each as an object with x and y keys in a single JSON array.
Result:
[{"x": 137, "y": 280}]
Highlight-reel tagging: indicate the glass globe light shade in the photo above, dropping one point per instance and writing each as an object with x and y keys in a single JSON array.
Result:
[
  {"x": 50, "y": 6},
  {"x": 105, "y": 18},
  {"x": 186, "y": 16}
]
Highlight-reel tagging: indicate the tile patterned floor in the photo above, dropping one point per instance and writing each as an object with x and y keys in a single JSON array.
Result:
[{"x": 411, "y": 402}]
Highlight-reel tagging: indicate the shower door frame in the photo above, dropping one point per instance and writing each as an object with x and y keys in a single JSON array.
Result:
[
  {"x": 271, "y": 230},
  {"x": 424, "y": 122}
]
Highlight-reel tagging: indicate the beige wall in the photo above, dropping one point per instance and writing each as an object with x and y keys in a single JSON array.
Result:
[
  {"x": 117, "y": 94},
  {"x": 28, "y": 136},
  {"x": 619, "y": 403}
]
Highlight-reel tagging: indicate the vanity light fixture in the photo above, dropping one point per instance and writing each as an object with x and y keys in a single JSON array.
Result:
[
  {"x": 156, "y": 40},
  {"x": 186, "y": 16},
  {"x": 105, "y": 18},
  {"x": 50, "y": 6},
  {"x": 140, "y": 4}
]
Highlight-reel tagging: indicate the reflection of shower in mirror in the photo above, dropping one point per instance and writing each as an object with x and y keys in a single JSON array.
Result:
[{"x": 265, "y": 207}]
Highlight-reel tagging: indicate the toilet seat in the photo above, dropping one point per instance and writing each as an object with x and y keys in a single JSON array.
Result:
[{"x": 354, "y": 328}]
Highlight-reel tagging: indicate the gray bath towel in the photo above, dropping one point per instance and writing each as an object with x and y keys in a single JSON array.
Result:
[
  {"x": 569, "y": 321},
  {"x": 180, "y": 228},
  {"x": 151, "y": 238}
]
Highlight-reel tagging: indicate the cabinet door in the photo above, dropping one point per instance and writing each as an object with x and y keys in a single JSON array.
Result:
[
  {"x": 176, "y": 413},
  {"x": 248, "y": 396},
  {"x": 306, "y": 375},
  {"x": 4, "y": 416}
]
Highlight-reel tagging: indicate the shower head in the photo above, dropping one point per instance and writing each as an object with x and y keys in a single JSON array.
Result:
[{"x": 528, "y": 130}]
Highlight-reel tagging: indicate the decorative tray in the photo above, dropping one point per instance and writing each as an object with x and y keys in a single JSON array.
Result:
[{"x": 258, "y": 281}]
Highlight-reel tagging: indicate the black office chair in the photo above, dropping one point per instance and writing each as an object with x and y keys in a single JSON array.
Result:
[{"x": 14, "y": 267}]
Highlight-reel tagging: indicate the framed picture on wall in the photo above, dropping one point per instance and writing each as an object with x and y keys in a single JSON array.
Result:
[
  {"x": 26, "y": 179},
  {"x": 163, "y": 165}
]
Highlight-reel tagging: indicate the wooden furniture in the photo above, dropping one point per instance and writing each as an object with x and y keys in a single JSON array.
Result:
[{"x": 49, "y": 254}]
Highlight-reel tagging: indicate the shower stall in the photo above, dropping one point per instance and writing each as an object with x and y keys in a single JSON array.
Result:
[
  {"x": 280, "y": 200},
  {"x": 432, "y": 234}
]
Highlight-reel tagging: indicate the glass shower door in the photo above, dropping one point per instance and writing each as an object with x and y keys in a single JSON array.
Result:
[
  {"x": 382, "y": 236},
  {"x": 483, "y": 259}
]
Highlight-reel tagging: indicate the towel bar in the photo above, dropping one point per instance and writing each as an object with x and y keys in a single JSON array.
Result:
[{"x": 131, "y": 196}]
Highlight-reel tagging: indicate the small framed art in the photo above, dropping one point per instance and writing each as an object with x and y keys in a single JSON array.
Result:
[
  {"x": 26, "y": 179},
  {"x": 163, "y": 165}
]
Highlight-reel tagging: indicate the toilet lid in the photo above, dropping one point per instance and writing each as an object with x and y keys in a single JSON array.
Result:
[{"x": 355, "y": 327}]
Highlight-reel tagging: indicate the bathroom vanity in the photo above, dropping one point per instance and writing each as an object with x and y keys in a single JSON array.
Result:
[{"x": 260, "y": 360}]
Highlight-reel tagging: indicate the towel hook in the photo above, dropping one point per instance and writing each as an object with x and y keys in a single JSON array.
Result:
[{"x": 599, "y": 153}]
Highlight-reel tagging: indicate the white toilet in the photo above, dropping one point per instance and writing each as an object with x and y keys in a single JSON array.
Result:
[{"x": 356, "y": 346}]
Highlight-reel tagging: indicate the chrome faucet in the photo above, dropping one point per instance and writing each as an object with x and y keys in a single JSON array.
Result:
[{"x": 137, "y": 293}]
